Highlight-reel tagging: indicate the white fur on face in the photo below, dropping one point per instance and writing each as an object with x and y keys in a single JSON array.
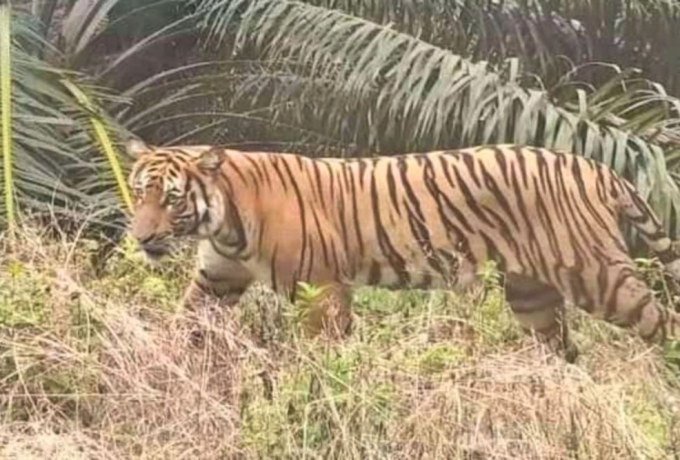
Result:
[{"x": 216, "y": 212}]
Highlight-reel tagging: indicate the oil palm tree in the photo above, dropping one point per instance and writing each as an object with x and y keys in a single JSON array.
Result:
[{"x": 59, "y": 140}]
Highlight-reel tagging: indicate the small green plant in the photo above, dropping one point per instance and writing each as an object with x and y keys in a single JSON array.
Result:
[
  {"x": 128, "y": 273},
  {"x": 439, "y": 357},
  {"x": 489, "y": 274},
  {"x": 651, "y": 417},
  {"x": 671, "y": 354},
  {"x": 310, "y": 303},
  {"x": 24, "y": 297},
  {"x": 309, "y": 294}
]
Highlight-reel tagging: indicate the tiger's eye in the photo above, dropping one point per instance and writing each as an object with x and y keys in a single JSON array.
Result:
[{"x": 172, "y": 199}]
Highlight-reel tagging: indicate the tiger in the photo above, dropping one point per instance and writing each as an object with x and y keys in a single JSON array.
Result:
[{"x": 548, "y": 219}]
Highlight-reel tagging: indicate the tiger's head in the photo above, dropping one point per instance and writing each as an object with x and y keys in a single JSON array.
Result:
[{"x": 174, "y": 194}]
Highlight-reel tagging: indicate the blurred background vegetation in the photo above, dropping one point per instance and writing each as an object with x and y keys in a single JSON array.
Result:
[{"x": 329, "y": 77}]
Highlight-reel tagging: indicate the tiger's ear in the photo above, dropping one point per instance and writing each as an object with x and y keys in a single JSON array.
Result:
[
  {"x": 136, "y": 147},
  {"x": 210, "y": 160}
]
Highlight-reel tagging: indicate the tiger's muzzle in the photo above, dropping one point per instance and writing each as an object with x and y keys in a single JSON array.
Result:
[{"x": 156, "y": 250}]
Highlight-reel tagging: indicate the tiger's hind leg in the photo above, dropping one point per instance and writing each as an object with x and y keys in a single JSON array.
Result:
[
  {"x": 629, "y": 302},
  {"x": 328, "y": 311},
  {"x": 539, "y": 308}
]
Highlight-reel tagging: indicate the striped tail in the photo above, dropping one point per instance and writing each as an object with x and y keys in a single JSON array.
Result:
[{"x": 645, "y": 221}]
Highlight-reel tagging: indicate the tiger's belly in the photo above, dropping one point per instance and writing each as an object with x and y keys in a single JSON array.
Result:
[
  {"x": 446, "y": 270},
  {"x": 413, "y": 269}
]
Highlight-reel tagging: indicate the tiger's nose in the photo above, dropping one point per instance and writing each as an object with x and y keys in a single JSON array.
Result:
[{"x": 146, "y": 222}]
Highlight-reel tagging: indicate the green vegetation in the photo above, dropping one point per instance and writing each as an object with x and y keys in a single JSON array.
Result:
[
  {"x": 106, "y": 367},
  {"x": 96, "y": 359}
]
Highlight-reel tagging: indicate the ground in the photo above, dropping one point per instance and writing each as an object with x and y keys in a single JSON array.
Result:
[{"x": 105, "y": 366}]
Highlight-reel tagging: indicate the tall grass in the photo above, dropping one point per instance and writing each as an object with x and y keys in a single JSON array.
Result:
[{"x": 108, "y": 367}]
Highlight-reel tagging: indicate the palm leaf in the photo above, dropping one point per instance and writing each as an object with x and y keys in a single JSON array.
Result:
[
  {"x": 103, "y": 139},
  {"x": 547, "y": 36},
  {"x": 6, "y": 113},
  {"x": 52, "y": 133},
  {"x": 407, "y": 94}
]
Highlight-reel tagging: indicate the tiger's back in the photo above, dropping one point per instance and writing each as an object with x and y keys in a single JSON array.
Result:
[
  {"x": 549, "y": 219},
  {"x": 429, "y": 220}
]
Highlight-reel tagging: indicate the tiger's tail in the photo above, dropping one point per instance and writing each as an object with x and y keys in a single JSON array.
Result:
[{"x": 641, "y": 216}]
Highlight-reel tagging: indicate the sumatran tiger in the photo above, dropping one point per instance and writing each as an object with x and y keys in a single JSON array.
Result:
[{"x": 548, "y": 219}]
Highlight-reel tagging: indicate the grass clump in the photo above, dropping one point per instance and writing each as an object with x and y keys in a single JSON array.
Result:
[{"x": 107, "y": 366}]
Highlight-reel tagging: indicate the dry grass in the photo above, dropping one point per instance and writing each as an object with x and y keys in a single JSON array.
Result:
[{"x": 105, "y": 367}]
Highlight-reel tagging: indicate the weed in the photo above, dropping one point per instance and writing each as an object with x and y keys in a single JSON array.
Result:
[{"x": 104, "y": 367}]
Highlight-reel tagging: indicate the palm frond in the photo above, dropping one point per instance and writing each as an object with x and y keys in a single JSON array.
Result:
[
  {"x": 407, "y": 94},
  {"x": 6, "y": 113},
  {"x": 547, "y": 36},
  {"x": 103, "y": 139},
  {"x": 51, "y": 131}
]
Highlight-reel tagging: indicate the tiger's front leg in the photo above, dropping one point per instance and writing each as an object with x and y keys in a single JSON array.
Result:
[
  {"x": 216, "y": 279},
  {"x": 204, "y": 290}
]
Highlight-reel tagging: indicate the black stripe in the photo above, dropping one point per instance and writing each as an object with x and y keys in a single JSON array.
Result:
[
  {"x": 519, "y": 153},
  {"x": 374, "y": 274},
  {"x": 443, "y": 161},
  {"x": 542, "y": 208},
  {"x": 440, "y": 198},
  {"x": 576, "y": 171},
  {"x": 600, "y": 185},
  {"x": 602, "y": 280},
  {"x": 260, "y": 239},
  {"x": 362, "y": 170},
  {"x": 502, "y": 163},
  {"x": 321, "y": 232},
  {"x": 492, "y": 186},
  {"x": 355, "y": 210},
  {"x": 492, "y": 252},
  {"x": 336, "y": 263},
  {"x": 470, "y": 199},
  {"x": 392, "y": 187},
  {"x": 417, "y": 222},
  {"x": 303, "y": 220},
  {"x": 311, "y": 260},
  {"x": 567, "y": 213},
  {"x": 233, "y": 166},
  {"x": 469, "y": 161},
  {"x": 298, "y": 159},
  {"x": 256, "y": 165},
  {"x": 275, "y": 164},
  {"x": 332, "y": 180},
  {"x": 571, "y": 217},
  {"x": 343, "y": 219},
  {"x": 268, "y": 178},
  {"x": 272, "y": 268},
  {"x": 395, "y": 260},
  {"x": 319, "y": 182},
  {"x": 534, "y": 243}
]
